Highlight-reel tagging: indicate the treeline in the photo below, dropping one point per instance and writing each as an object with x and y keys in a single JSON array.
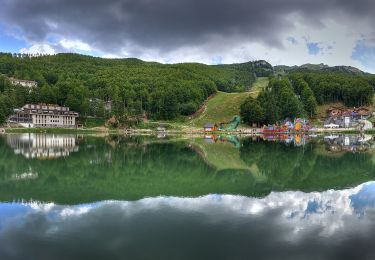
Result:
[
  {"x": 333, "y": 87},
  {"x": 298, "y": 95},
  {"x": 136, "y": 88}
]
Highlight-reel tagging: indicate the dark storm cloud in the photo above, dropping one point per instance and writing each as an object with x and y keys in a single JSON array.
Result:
[{"x": 167, "y": 24}]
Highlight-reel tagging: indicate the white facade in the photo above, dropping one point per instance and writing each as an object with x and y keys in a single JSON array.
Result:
[
  {"x": 58, "y": 121},
  {"x": 24, "y": 83},
  {"x": 44, "y": 116}
]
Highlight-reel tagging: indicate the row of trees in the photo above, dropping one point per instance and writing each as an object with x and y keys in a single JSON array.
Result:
[
  {"x": 277, "y": 102},
  {"x": 136, "y": 88},
  {"x": 299, "y": 94},
  {"x": 339, "y": 87}
]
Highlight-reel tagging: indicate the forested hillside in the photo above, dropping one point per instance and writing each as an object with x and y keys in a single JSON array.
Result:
[
  {"x": 282, "y": 69},
  {"x": 135, "y": 87},
  {"x": 299, "y": 93},
  {"x": 139, "y": 89}
]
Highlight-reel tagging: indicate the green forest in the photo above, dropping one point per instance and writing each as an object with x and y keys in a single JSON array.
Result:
[
  {"x": 139, "y": 89},
  {"x": 299, "y": 93},
  {"x": 136, "y": 88}
]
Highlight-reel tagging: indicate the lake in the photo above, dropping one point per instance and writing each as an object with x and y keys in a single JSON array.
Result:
[{"x": 212, "y": 197}]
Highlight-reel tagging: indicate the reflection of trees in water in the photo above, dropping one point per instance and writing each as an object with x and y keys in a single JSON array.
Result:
[
  {"x": 306, "y": 169},
  {"x": 132, "y": 168}
]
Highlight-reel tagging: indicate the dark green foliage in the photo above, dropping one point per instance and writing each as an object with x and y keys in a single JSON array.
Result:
[
  {"x": 277, "y": 102},
  {"x": 333, "y": 87},
  {"x": 135, "y": 87},
  {"x": 252, "y": 112},
  {"x": 299, "y": 94}
]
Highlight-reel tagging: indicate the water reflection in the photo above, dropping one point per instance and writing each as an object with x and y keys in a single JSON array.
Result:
[
  {"x": 42, "y": 146},
  {"x": 334, "y": 224},
  {"x": 131, "y": 168},
  {"x": 349, "y": 143}
]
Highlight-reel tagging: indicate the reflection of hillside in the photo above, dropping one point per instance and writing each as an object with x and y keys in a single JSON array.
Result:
[
  {"x": 136, "y": 168},
  {"x": 42, "y": 146},
  {"x": 223, "y": 155}
]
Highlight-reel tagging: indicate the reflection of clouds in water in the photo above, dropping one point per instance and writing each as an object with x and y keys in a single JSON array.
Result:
[{"x": 297, "y": 225}]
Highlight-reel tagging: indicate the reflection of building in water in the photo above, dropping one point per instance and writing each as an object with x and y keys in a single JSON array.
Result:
[
  {"x": 42, "y": 146},
  {"x": 295, "y": 139},
  {"x": 348, "y": 143}
]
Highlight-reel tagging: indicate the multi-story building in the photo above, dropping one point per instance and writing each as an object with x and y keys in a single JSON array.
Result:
[{"x": 44, "y": 116}]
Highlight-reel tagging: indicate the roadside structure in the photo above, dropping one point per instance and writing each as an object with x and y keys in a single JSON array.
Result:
[{"x": 44, "y": 116}]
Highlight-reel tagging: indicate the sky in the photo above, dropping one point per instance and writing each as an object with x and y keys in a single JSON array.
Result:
[{"x": 282, "y": 32}]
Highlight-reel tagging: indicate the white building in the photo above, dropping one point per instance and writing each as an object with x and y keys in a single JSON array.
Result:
[
  {"x": 44, "y": 116},
  {"x": 25, "y": 83}
]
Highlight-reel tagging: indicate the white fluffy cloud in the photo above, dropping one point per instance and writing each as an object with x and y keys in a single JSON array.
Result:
[{"x": 39, "y": 48}]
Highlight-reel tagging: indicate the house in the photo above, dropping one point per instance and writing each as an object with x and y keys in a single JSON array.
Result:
[
  {"x": 24, "y": 83},
  {"x": 210, "y": 127},
  {"x": 44, "y": 116},
  {"x": 347, "y": 117}
]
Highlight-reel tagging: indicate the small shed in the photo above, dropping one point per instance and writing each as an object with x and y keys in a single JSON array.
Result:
[{"x": 210, "y": 127}]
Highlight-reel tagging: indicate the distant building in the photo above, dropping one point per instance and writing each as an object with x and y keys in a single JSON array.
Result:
[
  {"x": 44, "y": 116},
  {"x": 347, "y": 117},
  {"x": 24, "y": 83},
  {"x": 210, "y": 127}
]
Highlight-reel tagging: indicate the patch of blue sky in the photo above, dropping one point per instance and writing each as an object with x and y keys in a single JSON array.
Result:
[
  {"x": 364, "y": 199},
  {"x": 292, "y": 40},
  {"x": 12, "y": 211},
  {"x": 217, "y": 60},
  {"x": 9, "y": 43},
  {"x": 365, "y": 54},
  {"x": 313, "y": 48}
]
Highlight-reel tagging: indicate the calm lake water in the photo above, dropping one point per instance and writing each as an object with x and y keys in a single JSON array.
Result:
[{"x": 218, "y": 197}]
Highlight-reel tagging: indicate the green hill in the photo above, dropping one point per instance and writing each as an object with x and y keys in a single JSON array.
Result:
[
  {"x": 135, "y": 87},
  {"x": 223, "y": 106},
  {"x": 282, "y": 69}
]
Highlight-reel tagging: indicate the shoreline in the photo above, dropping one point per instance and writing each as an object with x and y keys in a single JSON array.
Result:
[{"x": 190, "y": 131}]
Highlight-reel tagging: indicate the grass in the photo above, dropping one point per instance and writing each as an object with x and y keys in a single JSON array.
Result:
[
  {"x": 220, "y": 108},
  {"x": 224, "y": 106},
  {"x": 225, "y": 156},
  {"x": 258, "y": 85},
  {"x": 94, "y": 122}
]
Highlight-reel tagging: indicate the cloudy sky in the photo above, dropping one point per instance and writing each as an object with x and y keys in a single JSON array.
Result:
[{"x": 335, "y": 32}]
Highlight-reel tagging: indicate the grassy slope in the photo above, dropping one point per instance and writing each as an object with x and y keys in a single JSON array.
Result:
[
  {"x": 224, "y": 106},
  {"x": 220, "y": 108},
  {"x": 224, "y": 156}
]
